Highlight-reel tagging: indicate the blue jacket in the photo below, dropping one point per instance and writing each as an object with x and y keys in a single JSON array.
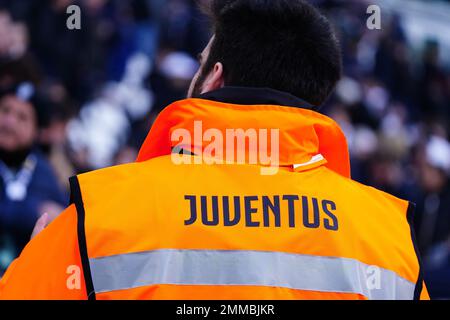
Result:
[{"x": 17, "y": 218}]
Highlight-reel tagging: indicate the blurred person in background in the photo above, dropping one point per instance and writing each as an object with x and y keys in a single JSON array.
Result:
[
  {"x": 28, "y": 187},
  {"x": 433, "y": 223},
  {"x": 437, "y": 271}
]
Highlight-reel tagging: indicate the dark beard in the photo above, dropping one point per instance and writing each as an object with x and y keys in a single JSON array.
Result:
[
  {"x": 14, "y": 159},
  {"x": 197, "y": 92}
]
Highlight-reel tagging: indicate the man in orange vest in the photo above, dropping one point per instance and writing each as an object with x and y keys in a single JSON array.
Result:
[{"x": 241, "y": 191}]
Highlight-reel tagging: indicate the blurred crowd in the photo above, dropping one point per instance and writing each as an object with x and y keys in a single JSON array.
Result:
[{"x": 76, "y": 100}]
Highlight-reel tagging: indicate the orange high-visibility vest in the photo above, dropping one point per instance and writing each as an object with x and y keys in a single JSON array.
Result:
[{"x": 156, "y": 229}]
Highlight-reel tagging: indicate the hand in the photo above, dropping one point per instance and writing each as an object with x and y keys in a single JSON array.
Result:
[
  {"x": 41, "y": 223},
  {"x": 52, "y": 209}
]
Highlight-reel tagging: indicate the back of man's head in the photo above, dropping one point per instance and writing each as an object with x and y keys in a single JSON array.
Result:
[{"x": 285, "y": 45}]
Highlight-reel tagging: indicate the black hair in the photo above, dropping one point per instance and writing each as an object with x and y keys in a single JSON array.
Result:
[
  {"x": 41, "y": 104},
  {"x": 287, "y": 45}
]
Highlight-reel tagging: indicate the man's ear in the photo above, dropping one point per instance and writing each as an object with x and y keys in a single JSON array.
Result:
[{"x": 214, "y": 79}]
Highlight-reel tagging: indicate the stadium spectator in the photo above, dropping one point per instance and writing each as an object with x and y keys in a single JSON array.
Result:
[{"x": 28, "y": 187}]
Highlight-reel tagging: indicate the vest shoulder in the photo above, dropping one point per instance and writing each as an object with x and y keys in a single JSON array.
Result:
[
  {"x": 356, "y": 189},
  {"x": 126, "y": 170},
  {"x": 126, "y": 174}
]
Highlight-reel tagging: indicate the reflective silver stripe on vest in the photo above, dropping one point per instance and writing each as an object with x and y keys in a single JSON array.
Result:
[{"x": 247, "y": 268}]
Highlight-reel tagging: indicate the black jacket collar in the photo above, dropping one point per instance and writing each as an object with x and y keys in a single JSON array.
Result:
[{"x": 256, "y": 96}]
